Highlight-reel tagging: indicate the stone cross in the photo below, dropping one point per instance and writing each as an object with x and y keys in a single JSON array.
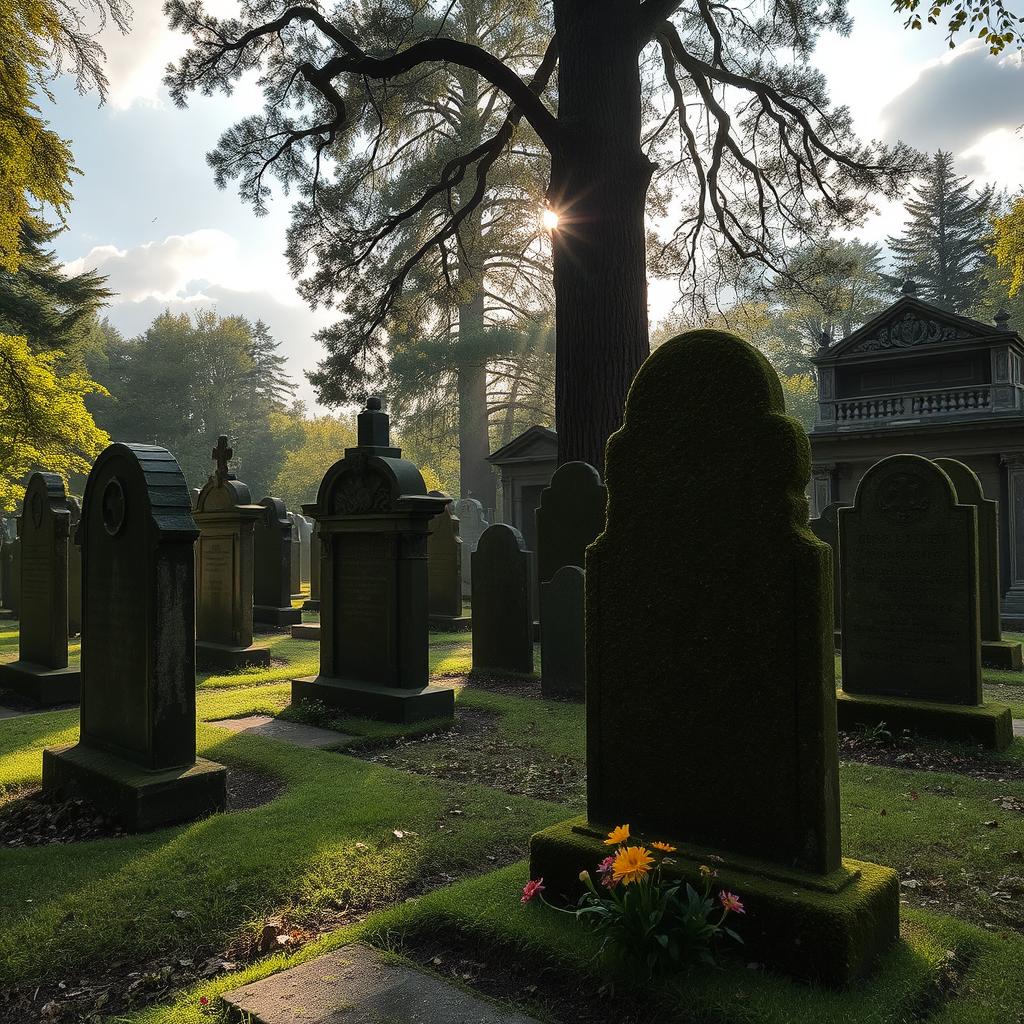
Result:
[{"x": 222, "y": 456}]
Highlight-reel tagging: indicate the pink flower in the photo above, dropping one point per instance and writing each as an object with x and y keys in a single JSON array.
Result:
[
  {"x": 731, "y": 902},
  {"x": 204, "y": 1001},
  {"x": 605, "y": 867},
  {"x": 531, "y": 889}
]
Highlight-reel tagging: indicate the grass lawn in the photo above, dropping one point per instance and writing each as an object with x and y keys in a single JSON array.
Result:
[{"x": 465, "y": 799}]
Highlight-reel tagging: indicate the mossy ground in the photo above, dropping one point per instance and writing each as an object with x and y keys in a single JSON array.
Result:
[{"x": 464, "y": 798}]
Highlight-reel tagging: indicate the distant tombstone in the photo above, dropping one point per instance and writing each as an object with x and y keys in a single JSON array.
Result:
[
  {"x": 373, "y": 512},
  {"x": 74, "y": 570},
  {"x": 444, "y": 570},
  {"x": 226, "y": 518},
  {"x": 911, "y": 628},
  {"x": 272, "y": 587},
  {"x": 305, "y": 536},
  {"x": 194, "y": 492},
  {"x": 14, "y": 597},
  {"x": 563, "y": 663},
  {"x": 570, "y": 516},
  {"x": 41, "y": 673},
  {"x": 826, "y": 528},
  {"x": 726, "y": 748},
  {"x": 995, "y": 651},
  {"x": 502, "y": 623},
  {"x": 6, "y": 570},
  {"x": 313, "y": 604},
  {"x": 136, "y": 756},
  {"x": 472, "y": 523}
]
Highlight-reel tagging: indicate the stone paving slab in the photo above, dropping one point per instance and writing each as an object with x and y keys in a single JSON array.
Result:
[
  {"x": 306, "y": 631},
  {"x": 1018, "y": 727},
  {"x": 288, "y": 732},
  {"x": 358, "y": 985}
]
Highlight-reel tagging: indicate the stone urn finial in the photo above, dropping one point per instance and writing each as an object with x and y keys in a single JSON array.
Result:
[
  {"x": 1001, "y": 320},
  {"x": 909, "y": 288}
]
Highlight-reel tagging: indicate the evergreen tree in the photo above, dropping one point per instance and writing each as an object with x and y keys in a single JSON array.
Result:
[{"x": 945, "y": 240}]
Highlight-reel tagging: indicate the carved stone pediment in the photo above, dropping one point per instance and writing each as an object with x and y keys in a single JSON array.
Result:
[
  {"x": 360, "y": 492},
  {"x": 908, "y": 331}
]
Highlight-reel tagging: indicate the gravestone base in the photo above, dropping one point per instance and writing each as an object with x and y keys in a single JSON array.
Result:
[
  {"x": 41, "y": 685},
  {"x": 450, "y": 623},
  {"x": 1004, "y": 654},
  {"x": 312, "y": 605},
  {"x": 210, "y": 655},
  {"x": 266, "y": 615},
  {"x": 990, "y": 725},
  {"x": 830, "y": 929},
  {"x": 306, "y": 631},
  {"x": 138, "y": 799},
  {"x": 385, "y": 703}
]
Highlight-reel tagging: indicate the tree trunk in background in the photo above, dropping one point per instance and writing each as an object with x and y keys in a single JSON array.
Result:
[{"x": 599, "y": 181}]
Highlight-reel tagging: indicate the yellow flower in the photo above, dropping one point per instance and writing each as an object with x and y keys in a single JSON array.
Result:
[
  {"x": 664, "y": 847},
  {"x": 705, "y": 871},
  {"x": 619, "y": 834},
  {"x": 631, "y": 864}
]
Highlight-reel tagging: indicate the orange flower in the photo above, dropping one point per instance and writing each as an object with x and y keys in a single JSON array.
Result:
[
  {"x": 631, "y": 864},
  {"x": 619, "y": 834},
  {"x": 664, "y": 847}
]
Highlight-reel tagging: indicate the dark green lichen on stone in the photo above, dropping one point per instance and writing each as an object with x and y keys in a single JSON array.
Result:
[
  {"x": 570, "y": 516},
  {"x": 502, "y": 624}
]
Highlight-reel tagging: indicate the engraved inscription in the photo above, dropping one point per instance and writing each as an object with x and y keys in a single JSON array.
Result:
[{"x": 364, "y": 588}]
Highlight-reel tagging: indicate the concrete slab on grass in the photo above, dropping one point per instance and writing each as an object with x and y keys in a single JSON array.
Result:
[
  {"x": 288, "y": 732},
  {"x": 358, "y": 985}
]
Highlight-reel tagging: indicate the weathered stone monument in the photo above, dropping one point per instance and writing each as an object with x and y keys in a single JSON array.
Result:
[
  {"x": 826, "y": 528},
  {"x": 313, "y": 603},
  {"x": 726, "y": 749},
  {"x": 502, "y": 623},
  {"x": 911, "y": 626},
  {"x": 570, "y": 516},
  {"x": 41, "y": 673},
  {"x": 74, "y": 569},
  {"x": 272, "y": 587},
  {"x": 295, "y": 561},
  {"x": 226, "y": 518},
  {"x": 472, "y": 524},
  {"x": 136, "y": 758},
  {"x": 444, "y": 570},
  {"x": 995, "y": 651},
  {"x": 563, "y": 661},
  {"x": 373, "y": 512},
  {"x": 305, "y": 535}
]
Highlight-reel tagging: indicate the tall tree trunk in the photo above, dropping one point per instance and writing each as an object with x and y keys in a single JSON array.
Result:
[{"x": 599, "y": 181}]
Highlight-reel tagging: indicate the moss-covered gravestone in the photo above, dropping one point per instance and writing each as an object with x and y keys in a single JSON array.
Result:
[
  {"x": 41, "y": 673},
  {"x": 444, "y": 570},
  {"x": 74, "y": 570},
  {"x": 721, "y": 741},
  {"x": 272, "y": 578},
  {"x": 911, "y": 625},
  {"x": 313, "y": 603},
  {"x": 563, "y": 662},
  {"x": 826, "y": 528},
  {"x": 373, "y": 512},
  {"x": 472, "y": 523},
  {"x": 502, "y": 623},
  {"x": 226, "y": 518},
  {"x": 136, "y": 756},
  {"x": 570, "y": 516},
  {"x": 995, "y": 651}
]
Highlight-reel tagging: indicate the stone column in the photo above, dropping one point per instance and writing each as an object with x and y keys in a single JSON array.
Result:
[
  {"x": 1013, "y": 602},
  {"x": 823, "y": 487}
]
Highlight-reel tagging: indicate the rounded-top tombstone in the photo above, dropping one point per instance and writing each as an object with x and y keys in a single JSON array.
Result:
[
  {"x": 826, "y": 528},
  {"x": 472, "y": 524},
  {"x": 570, "y": 516},
  {"x": 136, "y": 757},
  {"x": 502, "y": 624}
]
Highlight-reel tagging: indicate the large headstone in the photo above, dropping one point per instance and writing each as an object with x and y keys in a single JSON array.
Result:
[
  {"x": 373, "y": 514},
  {"x": 136, "y": 756},
  {"x": 226, "y": 518},
  {"x": 563, "y": 663},
  {"x": 74, "y": 570},
  {"x": 41, "y": 673},
  {"x": 313, "y": 604},
  {"x": 826, "y": 528},
  {"x": 272, "y": 589},
  {"x": 502, "y": 623},
  {"x": 570, "y": 516},
  {"x": 911, "y": 627},
  {"x": 444, "y": 570},
  {"x": 995, "y": 650},
  {"x": 472, "y": 523},
  {"x": 722, "y": 744}
]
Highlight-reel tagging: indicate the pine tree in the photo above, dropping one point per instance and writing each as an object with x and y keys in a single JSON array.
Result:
[{"x": 945, "y": 240}]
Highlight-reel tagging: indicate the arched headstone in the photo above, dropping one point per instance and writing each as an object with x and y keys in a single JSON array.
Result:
[
  {"x": 826, "y": 528},
  {"x": 472, "y": 524},
  {"x": 272, "y": 588},
  {"x": 502, "y": 624},
  {"x": 563, "y": 668}
]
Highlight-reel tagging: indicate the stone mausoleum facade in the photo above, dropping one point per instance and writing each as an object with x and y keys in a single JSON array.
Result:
[{"x": 919, "y": 380}]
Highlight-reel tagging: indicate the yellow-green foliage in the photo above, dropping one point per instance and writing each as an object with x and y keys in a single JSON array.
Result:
[
  {"x": 324, "y": 442},
  {"x": 43, "y": 419},
  {"x": 1008, "y": 245}
]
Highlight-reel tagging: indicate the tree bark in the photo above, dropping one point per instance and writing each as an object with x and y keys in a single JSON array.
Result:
[{"x": 599, "y": 181}]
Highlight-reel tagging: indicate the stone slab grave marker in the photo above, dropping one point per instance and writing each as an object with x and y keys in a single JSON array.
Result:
[
  {"x": 502, "y": 623},
  {"x": 911, "y": 625},
  {"x": 444, "y": 571},
  {"x": 313, "y": 604},
  {"x": 826, "y": 528},
  {"x": 995, "y": 651},
  {"x": 6, "y": 570},
  {"x": 272, "y": 587},
  {"x": 226, "y": 518},
  {"x": 722, "y": 744},
  {"x": 472, "y": 524},
  {"x": 305, "y": 532},
  {"x": 74, "y": 569},
  {"x": 295, "y": 562},
  {"x": 41, "y": 673},
  {"x": 136, "y": 756},
  {"x": 373, "y": 512},
  {"x": 563, "y": 661}
]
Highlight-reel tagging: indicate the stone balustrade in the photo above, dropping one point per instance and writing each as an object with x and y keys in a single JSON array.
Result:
[{"x": 942, "y": 401}]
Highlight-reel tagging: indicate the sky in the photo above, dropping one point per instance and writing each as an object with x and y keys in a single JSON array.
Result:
[{"x": 147, "y": 213}]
